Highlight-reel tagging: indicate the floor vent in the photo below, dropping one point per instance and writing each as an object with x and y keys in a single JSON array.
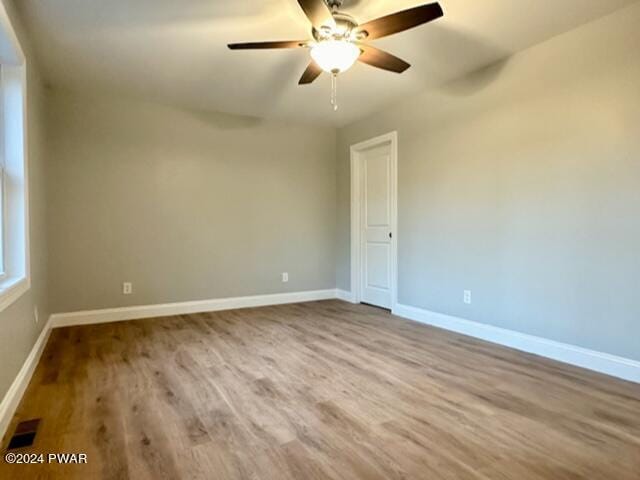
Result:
[{"x": 25, "y": 434}]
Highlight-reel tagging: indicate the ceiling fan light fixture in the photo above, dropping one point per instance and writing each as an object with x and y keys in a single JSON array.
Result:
[
  {"x": 335, "y": 56},
  {"x": 339, "y": 40}
]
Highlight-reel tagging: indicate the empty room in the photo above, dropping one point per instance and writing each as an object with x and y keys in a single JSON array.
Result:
[{"x": 320, "y": 239}]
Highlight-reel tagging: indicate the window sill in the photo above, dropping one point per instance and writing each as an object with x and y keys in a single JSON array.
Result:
[{"x": 11, "y": 289}]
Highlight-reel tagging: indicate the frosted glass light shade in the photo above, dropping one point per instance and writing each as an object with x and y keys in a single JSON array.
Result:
[{"x": 335, "y": 55}]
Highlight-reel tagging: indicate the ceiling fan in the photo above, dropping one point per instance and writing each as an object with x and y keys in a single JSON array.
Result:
[{"x": 338, "y": 40}]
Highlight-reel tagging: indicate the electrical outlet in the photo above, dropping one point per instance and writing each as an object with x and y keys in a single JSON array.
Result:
[
  {"x": 36, "y": 315},
  {"x": 285, "y": 277},
  {"x": 467, "y": 297},
  {"x": 127, "y": 288}
]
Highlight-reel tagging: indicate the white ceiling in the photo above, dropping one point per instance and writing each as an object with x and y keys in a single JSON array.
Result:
[{"x": 174, "y": 51}]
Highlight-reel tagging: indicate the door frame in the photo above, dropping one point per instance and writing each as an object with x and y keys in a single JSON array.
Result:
[{"x": 356, "y": 216}]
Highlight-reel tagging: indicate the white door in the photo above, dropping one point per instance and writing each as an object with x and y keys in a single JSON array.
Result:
[{"x": 376, "y": 221}]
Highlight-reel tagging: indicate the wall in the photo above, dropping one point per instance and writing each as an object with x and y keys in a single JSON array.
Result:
[
  {"x": 522, "y": 184},
  {"x": 185, "y": 205},
  {"x": 18, "y": 330}
]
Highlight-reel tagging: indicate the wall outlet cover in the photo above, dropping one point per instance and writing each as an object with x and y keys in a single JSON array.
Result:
[{"x": 467, "y": 297}]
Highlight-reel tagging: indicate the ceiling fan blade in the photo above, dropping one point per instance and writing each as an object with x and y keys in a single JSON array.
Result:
[
  {"x": 381, "y": 59},
  {"x": 401, "y": 21},
  {"x": 318, "y": 13},
  {"x": 312, "y": 72},
  {"x": 267, "y": 45}
]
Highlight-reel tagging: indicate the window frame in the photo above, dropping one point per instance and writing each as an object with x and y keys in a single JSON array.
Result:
[{"x": 14, "y": 230}]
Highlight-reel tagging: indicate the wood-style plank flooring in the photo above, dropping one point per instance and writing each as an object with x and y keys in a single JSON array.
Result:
[{"x": 323, "y": 390}]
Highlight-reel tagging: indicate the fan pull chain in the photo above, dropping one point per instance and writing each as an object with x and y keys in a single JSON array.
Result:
[{"x": 334, "y": 91}]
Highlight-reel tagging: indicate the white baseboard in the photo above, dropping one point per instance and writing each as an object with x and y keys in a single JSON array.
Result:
[
  {"x": 13, "y": 396},
  {"x": 184, "y": 308},
  {"x": 619, "y": 367},
  {"x": 344, "y": 295}
]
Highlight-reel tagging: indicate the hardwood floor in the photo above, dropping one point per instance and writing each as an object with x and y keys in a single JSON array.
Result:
[{"x": 323, "y": 390}]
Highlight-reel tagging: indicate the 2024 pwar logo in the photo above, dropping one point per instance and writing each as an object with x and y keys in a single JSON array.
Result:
[{"x": 59, "y": 458}]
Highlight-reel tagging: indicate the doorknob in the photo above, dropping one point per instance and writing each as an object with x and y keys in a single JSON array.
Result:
[{"x": 390, "y": 235}]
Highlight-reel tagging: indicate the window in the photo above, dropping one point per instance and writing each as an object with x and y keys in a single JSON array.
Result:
[{"x": 14, "y": 234}]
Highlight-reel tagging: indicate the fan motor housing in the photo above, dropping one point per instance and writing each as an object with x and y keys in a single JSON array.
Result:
[{"x": 345, "y": 25}]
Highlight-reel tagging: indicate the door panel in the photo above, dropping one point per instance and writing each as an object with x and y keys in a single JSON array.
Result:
[
  {"x": 377, "y": 266},
  {"x": 376, "y": 226},
  {"x": 377, "y": 189}
]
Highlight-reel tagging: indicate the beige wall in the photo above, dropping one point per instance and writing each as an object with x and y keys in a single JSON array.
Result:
[
  {"x": 186, "y": 205},
  {"x": 18, "y": 330},
  {"x": 522, "y": 184}
]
